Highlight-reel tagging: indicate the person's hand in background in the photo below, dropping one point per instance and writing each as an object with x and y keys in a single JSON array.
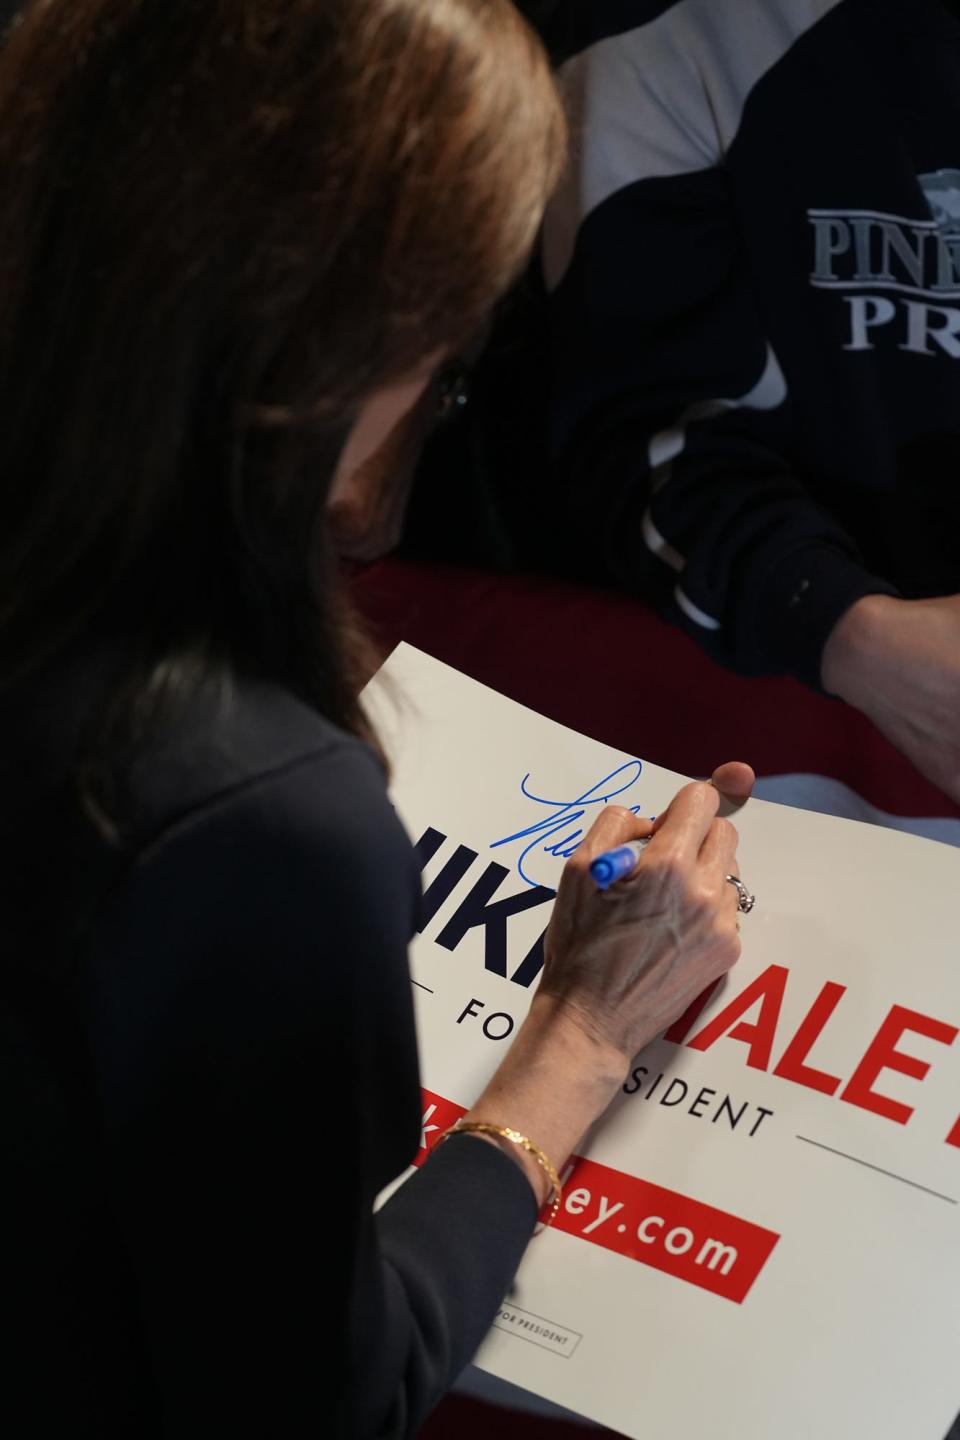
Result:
[{"x": 899, "y": 662}]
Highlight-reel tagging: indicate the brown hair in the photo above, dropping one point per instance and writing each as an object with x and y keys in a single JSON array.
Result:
[{"x": 224, "y": 223}]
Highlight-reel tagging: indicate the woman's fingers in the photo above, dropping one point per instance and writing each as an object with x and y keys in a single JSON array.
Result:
[
  {"x": 719, "y": 849},
  {"x": 688, "y": 830},
  {"x": 735, "y": 781},
  {"x": 718, "y": 857},
  {"x": 613, "y": 826},
  {"x": 684, "y": 824}
]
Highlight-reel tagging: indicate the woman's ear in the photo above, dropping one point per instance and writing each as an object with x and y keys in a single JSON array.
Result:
[{"x": 371, "y": 486}]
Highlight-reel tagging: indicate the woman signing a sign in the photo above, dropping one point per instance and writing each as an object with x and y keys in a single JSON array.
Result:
[{"x": 236, "y": 240}]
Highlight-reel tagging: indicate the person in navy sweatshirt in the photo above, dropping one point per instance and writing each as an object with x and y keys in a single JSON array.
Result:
[{"x": 752, "y": 368}]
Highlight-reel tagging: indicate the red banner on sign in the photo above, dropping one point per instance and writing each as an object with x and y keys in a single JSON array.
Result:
[{"x": 671, "y": 1232}]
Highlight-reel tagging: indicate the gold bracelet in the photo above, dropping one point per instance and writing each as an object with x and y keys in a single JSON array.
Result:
[{"x": 481, "y": 1127}]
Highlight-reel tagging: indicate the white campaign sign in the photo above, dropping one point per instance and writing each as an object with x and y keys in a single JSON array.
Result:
[{"x": 763, "y": 1239}]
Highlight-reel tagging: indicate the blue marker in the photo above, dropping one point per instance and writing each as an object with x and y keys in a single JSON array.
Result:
[{"x": 614, "y": 865}]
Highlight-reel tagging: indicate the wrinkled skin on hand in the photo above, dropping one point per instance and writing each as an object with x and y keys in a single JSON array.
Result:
[{"x": 626, "y": 961}]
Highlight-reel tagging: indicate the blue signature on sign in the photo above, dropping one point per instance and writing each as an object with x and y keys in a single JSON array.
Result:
[{"x": 560, "y": 833}]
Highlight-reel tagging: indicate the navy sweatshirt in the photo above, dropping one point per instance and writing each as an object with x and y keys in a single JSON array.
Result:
[
  {"x": 751, "y": 369},
  {"x": 208, "y": 1071}
]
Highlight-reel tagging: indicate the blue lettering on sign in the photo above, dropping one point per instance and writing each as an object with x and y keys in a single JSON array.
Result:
[{"x": 560, "y": 834}]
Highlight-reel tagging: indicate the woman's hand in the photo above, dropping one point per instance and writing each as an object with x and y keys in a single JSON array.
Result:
[
  {"x": 626, "y": 961},
  {"x": 621, "y": 965}
]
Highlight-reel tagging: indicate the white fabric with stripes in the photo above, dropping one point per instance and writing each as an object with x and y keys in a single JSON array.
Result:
[
  {"x": 769, "y": 392},
  {"x": 626, "y": 124}
]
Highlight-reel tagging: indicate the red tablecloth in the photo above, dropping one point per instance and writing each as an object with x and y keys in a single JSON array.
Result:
[{"x": 604, "y": 664}]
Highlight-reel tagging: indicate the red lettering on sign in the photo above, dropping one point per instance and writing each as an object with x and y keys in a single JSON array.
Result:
[
  {"x": 791, "y": 1066},
  {"x": 681, "y": 1028},
  {"x": 882, "y": 1055},
  {"x": 668, "y": 1231},
  {"x": 438, "y": 1116},
  {"x": 768, "y": 989}
]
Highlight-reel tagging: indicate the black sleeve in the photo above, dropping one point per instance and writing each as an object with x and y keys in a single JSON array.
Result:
[
  {"x": 251, "y": 1026},
  {"x": 671, "y": 415}
]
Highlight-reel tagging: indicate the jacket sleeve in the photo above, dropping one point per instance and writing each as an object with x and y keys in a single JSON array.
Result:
[
  {"x": 251, "y": 1030},
  {"x": 671, "y": 416}
]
